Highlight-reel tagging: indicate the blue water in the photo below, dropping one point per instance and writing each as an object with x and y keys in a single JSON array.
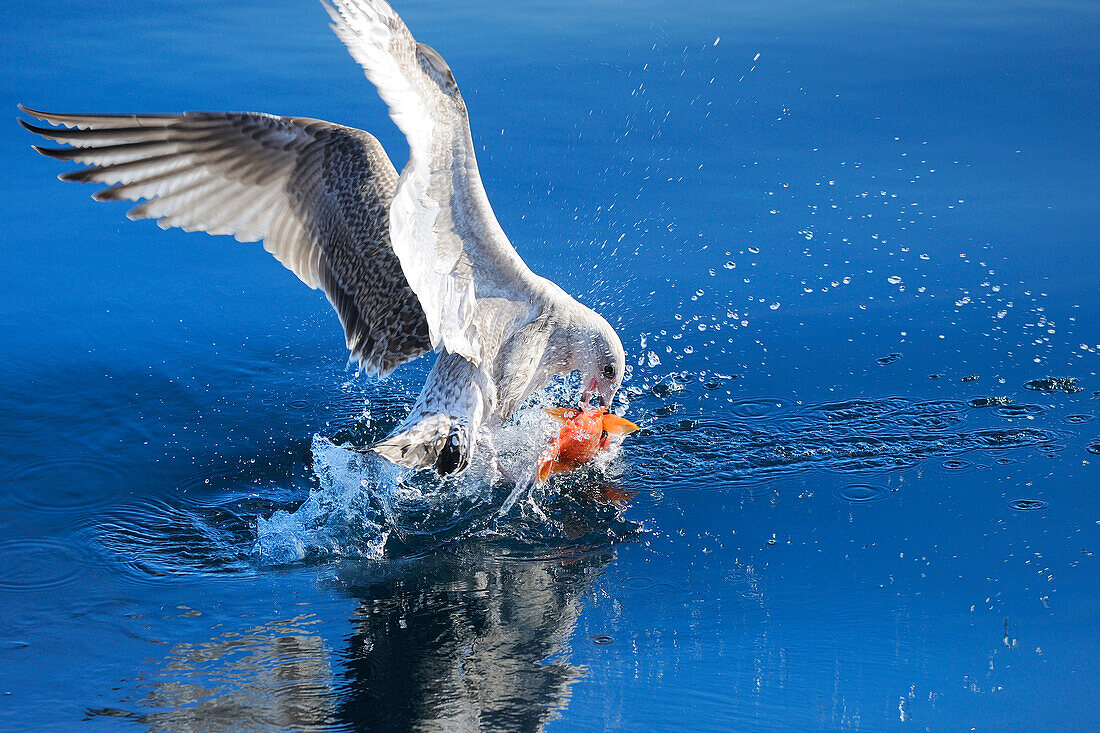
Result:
[{"x": 841, "y": 242}]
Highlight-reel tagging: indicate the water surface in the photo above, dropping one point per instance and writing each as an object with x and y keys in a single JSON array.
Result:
[{"x": 851, "y": 249}]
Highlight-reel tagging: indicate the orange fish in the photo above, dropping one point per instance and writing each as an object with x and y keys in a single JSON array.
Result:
[{"x": 585, "y": 433}]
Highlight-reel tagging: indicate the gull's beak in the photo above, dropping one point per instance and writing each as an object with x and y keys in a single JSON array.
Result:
[
  {"x": 593, "y": 395},
  {"x": 599, "y": 394}
]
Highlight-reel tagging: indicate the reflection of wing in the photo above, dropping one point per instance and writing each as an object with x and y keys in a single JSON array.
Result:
[
  {"x": 278, "y": 676},
  {"x": 453, "y": 252},
  {"x": 316, "y": 193}
]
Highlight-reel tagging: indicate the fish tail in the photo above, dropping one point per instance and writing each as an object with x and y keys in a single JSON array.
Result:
[
  {"x": 616, "y": 425},
  {"x": 548, "y": 467}
]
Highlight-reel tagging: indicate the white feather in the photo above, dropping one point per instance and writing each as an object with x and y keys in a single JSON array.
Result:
[{"x": 453, "y": 252}]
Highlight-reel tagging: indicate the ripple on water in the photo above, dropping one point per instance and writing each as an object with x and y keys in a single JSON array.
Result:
[
  {"x": 36, "y": 563},
  {"x": 851, "y": 436},
  {"x": 67, "y": 482},
  {"x": 1018, "y": 412},
  {"x": 862, "y": 493},
  {"x": 1028, "y": 505},
  {"x": 156, "y": 539},
  {"x": 650, "y": 587},
  {"x": 1078, "y": 419},
  {"x": 1094, "y": 447},
  {"x": 638, "y": 582},
  {"x": 754, "y": 408},
  {"x": 857, "y": 411},
  {"x": 928, "y": 415}
]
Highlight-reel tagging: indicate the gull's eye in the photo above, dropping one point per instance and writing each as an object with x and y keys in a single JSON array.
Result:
[{"x": 609, "y": 372}]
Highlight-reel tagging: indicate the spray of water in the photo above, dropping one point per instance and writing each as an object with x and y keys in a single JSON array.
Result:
[{"x": 364, "y": 506}]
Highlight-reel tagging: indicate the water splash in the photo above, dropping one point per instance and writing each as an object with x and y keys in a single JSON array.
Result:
[
  {"x": 336, "y": 518},
  {"x": 366, "y": 507}
]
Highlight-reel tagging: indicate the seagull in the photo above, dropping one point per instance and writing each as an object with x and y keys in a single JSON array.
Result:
[{"x": 411, "y": 263}]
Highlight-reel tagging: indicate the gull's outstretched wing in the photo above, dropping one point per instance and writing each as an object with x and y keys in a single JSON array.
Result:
[
  {"x": 469, "y": 279},
  {"x": 316, "y": 193}
]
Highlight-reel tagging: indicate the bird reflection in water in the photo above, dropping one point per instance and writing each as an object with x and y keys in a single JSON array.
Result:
[
  {"x": 473, "y": 636},
  {"x": 466, "y": 642}
]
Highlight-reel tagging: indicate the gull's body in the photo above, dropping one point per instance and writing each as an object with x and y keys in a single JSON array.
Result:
[{"x": 410, "y": 263}]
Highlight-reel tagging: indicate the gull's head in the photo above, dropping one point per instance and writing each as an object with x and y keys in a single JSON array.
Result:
[{"x": 599, "y": 357}]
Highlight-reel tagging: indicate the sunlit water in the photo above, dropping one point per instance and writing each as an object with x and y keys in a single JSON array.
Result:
[{"x": 851, "y": 250}]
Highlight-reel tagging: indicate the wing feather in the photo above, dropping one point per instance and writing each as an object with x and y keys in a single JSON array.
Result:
[
  {"x": 317, "y": 194},
  {"x": 453, "y": 252}
]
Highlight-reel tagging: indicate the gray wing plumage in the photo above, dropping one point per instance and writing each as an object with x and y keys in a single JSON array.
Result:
[{"x": 317, "y": 194}]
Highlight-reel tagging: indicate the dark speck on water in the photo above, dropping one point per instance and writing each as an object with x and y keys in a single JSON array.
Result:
[
  {"x": 771, "y": 201},
  {"x": 989, "y": 401},
  {"x": 1028, "y": 505},
  {"x": 1068, "y": 385}
]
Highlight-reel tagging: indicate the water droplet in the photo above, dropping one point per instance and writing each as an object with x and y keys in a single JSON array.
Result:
[{"x": 757, "y": 407}]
